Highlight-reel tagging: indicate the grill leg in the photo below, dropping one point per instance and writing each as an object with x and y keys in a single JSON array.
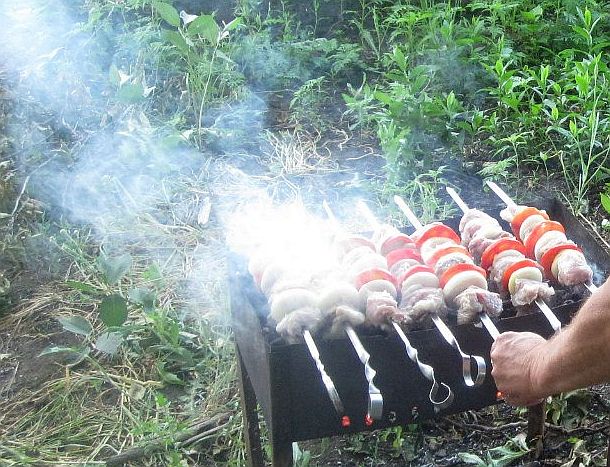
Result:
[
  {"x": 608, "y": 454},
  {"x": 254, "y": 451},
  {"x": 536, "y": 415},
  {"x": 282, "y": 454}
]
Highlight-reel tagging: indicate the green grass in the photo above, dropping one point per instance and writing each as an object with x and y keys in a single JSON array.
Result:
[{"x": 517, "y": 90}]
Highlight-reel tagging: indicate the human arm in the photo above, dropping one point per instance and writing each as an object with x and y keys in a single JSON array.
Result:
[{"x": 527, "y": 368}]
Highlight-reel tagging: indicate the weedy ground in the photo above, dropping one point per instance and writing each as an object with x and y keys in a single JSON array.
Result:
[{"x": 132, "y": 130}]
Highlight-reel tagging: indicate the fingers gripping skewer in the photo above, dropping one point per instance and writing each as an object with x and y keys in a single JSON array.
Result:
[
  {"x": 426, "y": 370},
  {"x": 479, "y": 362},
  {"x": 548, "y": 313},
  {"x": 375, "y": 403},
  {"x": 500, "y": 193},
  {"x": 326, "y": 380}
]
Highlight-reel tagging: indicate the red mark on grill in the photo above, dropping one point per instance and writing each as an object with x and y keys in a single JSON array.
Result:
[
  {"x": 345, "y": 421},
  {"x": 368, "y": 420},
  {"x": 499, "y": 395}
]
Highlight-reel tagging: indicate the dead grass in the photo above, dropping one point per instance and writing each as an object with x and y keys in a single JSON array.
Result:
[{"x": 296, "y": 153}]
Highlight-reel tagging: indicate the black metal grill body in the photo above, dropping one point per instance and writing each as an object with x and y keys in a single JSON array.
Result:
[{"x": 293, "y": 399}]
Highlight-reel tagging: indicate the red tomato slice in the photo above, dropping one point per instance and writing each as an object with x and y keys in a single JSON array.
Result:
[
  {"x": 437, "y": 230},
  {"x": 539, "y": 231},
  {"x": 395, "y": 256},
  {"x": 503, "y": 244},
  {"x": 549, "y": 256},
  {"x": 373, "y": 275},
  {"x": 395, "y": 242},
  {"x": 456, "y": 269},
  {"x": 438, "y": 254},
  {"x": 520, "y": 217},
  {"x": 413, "y": 270},
  {"x": 524, "y": 263}
]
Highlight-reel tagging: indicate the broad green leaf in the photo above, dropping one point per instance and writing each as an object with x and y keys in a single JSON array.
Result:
[
  {"x": 113, "y": 310},
  {"x": 206, "y": 26},
  {"x": 153, "y": 274},
  {"x": 131, "y": 93},
  {"x": 114, "y": 267},
  {"x": 167, "y": 12},
  {"x": 400, "y": 59},
  {"x": 109, "y": 342},
  {"x": 144, "y": 297},
  {"x": 605, "y": 199},
  {"x": 76, "y": 324},
  {"x": 176, "y": 39},
  {"x": 74, "y": 355}
]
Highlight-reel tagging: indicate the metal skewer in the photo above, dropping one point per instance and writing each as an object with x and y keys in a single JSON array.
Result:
[
  {"x": 442, "y": 327},
  {"x": 548, "y": 313},
  {"x": 326, "y": 379},
  {"x": 412, "y": 352},
  {"x": 500, "y": 193},
  {"x": 375, "y": 402},
  {"x": 375, "y": 405}
]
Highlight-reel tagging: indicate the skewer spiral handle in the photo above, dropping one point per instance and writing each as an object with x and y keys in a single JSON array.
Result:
[
  {"x": 466, "y": 359},
  {"x": 375, "y": 407},
  {"x": 428, "y": 373},
  {"x": 326, "y": 379}
]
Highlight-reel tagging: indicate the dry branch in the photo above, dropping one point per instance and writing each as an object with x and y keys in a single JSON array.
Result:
[{"x": 194, "y": 433}]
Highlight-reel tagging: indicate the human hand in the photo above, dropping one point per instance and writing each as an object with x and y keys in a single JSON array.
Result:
[{"x": 514, "y": 356}]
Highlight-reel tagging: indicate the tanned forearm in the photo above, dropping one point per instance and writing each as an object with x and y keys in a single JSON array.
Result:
[
  {"x": 527, "y": 368},
  {"x": 579, "y": 356}
]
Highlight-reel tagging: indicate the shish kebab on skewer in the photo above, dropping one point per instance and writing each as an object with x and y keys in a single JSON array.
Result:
[
  {"x": 464, "y": 284},
  {"x": 378, "y": 294},
  {"x": 545, "y": 240},
  {"x": 422, "y": 298},
  {"x": 499, "y": 253},
  {"x": 337, "y": 302},
  {"x": 297, "y": 311}
]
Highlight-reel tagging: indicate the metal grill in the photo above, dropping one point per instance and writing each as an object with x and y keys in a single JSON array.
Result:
[{"x": 284, "y": 381}]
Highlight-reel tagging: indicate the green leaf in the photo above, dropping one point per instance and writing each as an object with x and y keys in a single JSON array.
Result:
[
  {"x": 176, "y": 39},
  {"x": 81, "y": 286},
  {"x": 471, "y": 459},
  {"x": 74, "y": 355},
  {"x": 114, "y": 76},
  {"x": 131, "y": 93},
  {"x": 114, "y": 267},
  {"x": 153, "y": 274},
  {"x": 113, "y": 310},
  {"x": 168, "y": 377},
  {"x": 233, "y": 24},
  {"x": 206, "y": 26},
  {"x": 605, "y": 199},
  {"x": 167, "y": 12},
  {"x": 76, "y": 324},
  {"x": 144, "y": 297},
  {"x": 109, "y": 342}
]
